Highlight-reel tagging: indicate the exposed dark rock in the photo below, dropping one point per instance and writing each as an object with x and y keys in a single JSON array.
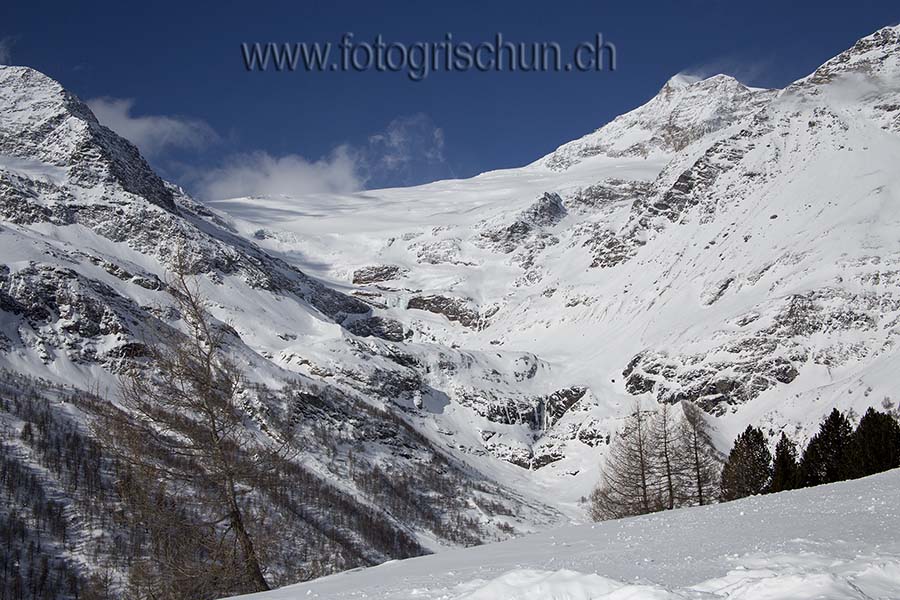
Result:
[
  {"x": 455, "y": 309},
  {"x": 506, "y": 239},
  {"x": 718, "y": 290},
  {"x": 558, "y": 403},
  {"x": 607, "y": 194},
  {"x": 609, "y": 249},
  {"x": 380, "y": 327},
  {"x": 545, "y": 458},
  {"x": 548, "y": 210},
  {"x": 377, "y": 274},
  {"x": 636, "y": 383}
]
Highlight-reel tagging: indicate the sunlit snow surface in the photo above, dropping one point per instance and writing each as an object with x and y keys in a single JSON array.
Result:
[{"x": 831, "y": 542}]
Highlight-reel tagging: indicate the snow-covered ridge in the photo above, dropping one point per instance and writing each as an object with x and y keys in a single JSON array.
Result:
[
  {"x": 876, "y": 54},
  {"x": 685, "y": 109}
]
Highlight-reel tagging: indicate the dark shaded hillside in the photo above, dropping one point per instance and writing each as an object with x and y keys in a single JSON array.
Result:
[{"x": 71, "y": 524}]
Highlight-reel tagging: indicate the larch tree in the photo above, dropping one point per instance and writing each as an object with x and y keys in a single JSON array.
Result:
[
  {"x": 629, "y": 486},
  {"x": 667, "y": 459},
  {"x": 701, "y": 468},
  {"x": 181, "y": 434}
]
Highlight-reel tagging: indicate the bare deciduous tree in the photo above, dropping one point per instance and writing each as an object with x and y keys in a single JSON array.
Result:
[
  {"x": 183, "y": 437},
  {"x": 629, "y": 486},
  {"x": 659, "y": 461},
  {"x": 668, "y": 458},
  {"x": 701, "y": 469}
]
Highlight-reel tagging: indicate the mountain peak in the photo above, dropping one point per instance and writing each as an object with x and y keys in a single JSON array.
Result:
[
  {"x": 41, "y": 121},
  {"x": 685, "y": 109},
  {"x": 32, "y": 95},
  {"x": 681, "y": 81}
]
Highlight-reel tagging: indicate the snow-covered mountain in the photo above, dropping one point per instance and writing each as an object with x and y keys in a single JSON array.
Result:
[
  {"x": 685, "y": 110},
  {"x": 87, "y": 235},
  {"x": 731, "y": 246}
]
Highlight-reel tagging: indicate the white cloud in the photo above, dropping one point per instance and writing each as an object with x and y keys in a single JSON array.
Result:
[
  {"x": 261, "y": 174},
  {"x": 748, "y": 72},
  {"x": 6, "y": 50},
  {"x": 409, "y": 151},
  {"x": 151, "y": 133},
  {"x": 406, "y": 144}
]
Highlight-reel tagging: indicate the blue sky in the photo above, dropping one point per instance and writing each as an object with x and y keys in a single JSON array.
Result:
[{"x": 170, "y": 76}]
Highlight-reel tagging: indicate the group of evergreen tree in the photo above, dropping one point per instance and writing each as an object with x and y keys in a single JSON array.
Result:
[
  {"x": 659, "y": 461},
  {"x": 836, "y": 453}
]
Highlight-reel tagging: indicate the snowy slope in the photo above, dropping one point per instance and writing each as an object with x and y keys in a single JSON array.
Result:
[
  {"x": 730, "y": 246},
  {"x": 834, "y": 541}
]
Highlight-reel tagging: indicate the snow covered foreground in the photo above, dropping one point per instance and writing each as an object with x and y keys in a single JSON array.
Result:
[{"x": 835, "y": 541}]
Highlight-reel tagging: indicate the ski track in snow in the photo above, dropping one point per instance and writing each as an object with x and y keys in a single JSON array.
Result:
[{"x": 834, "y": 541}]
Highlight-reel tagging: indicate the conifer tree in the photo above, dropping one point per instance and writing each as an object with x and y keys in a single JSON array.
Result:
[
  {"x": 749, "y": 466},
  {"x": 826, "y": 458},
  {"x": 875, "y": 446},
  {"x": 786, "y": 471}
]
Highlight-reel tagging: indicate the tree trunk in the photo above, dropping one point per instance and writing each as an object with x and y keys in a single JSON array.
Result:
[
  {"x": 643, "y": 462},
  {"x": 697, "y": 472},
  {"x": 251, "y": 561}
]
